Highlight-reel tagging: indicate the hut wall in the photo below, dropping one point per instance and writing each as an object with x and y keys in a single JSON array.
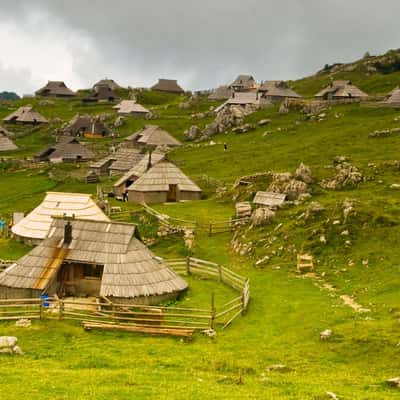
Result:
[
  {"x": 18, "y": 293},
  {"x": 145, "y": 300},
  {"x": 147, "y": 197},
  {"x": 27, "y": 241},
  {"x": 189, "y": 195}
]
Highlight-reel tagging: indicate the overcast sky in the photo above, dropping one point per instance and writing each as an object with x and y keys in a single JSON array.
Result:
[{"x": 201, "y": 43}]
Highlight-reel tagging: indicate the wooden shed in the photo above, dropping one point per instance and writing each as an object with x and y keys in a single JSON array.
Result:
[
  {"x": 136, "y": 172},
  {"x": 67, "y": 149},
  {"x": 101, "y": 93},
  {"x": 87, "y": 125},
  {"x": 394, "y": 97},
  {"x": 220, "y": 93},
  {"x": 269, "y": 199},
  {"x": 341, "y": 90},
  {"x": 82, "y": 257},
  {"x": 243, "y": 83},
  {"x": 107, "y": 82},
  {"x": 163, "y": 182},
  {"x": 26, "y": 116},
  {"x": 34, "y": 227}
]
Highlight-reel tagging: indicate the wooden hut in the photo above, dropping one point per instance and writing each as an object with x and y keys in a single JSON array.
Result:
[
  {"x": 86, "y": 125},
  {"x": 118, "y": 162},
  {"x": 82, "y": 257},
  {"x": 269, "y": 199},
  {"x": 154, "y": 136},
  {"x": 122, "y": 184},
  {"x": 67, "y": 149},
  {"x": 243, "y": 83},
  {"x": 107, "y": 82},
  {"x": 55, "y": 89},
  {"x": 341, "y": 90},
  {"x": 35, "y": 226},
  {"x": 274, "y": 91},
  {"x": 167, "y": 85},
  {"x": 101, "y": 93},
  {"x": 163, "y": 182},
  {"x": 130, "y": 107},
  {"x": 6, "y": 144},
  {"x": 26, "y": 116}
]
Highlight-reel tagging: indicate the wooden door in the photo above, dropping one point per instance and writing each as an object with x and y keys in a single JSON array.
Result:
[{"x": 171, "y": 196}]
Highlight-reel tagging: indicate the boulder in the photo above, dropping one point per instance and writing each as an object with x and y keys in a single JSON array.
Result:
[
  {"x": 8, "y": 344},
  {"x": 24, "y": 323},
  {"x": 394, "y": 382},
  {"x": 243, "y": 209},
  {"x": 303, "y": 173},
  {"x": 263, "y": 122},
  {"x": 285, "y": 183},
  {"x": 346, "y": 175},
  {"x": 262, "y": 216},
  {"x": 314, "y": 209},
  {"x": 193, "y": 133}
]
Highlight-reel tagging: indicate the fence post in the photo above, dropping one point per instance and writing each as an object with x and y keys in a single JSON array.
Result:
[
  {"x": 188, "y": 265},
  {"x": 213, "y": 312},
  {"x": 41, "y": 309},
  {"x": 61, "y": 309},
  {"x": 219, "y": 273}
]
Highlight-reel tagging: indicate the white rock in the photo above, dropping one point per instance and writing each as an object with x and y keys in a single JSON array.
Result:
[
  {"x": 8, "y": 341},
  {"x": 326, "y": 334}
]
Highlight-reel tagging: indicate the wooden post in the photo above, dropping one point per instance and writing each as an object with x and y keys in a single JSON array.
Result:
[
  {"x": 41, "y": 309},
  {"x": 188, "y": 265},
  {"x": 213, "y": 312},
  {"x": 61, "y": 309},
  {"x": 219, "y": 273}
]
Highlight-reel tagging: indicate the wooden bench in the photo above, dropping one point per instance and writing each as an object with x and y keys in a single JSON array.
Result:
[{"x": 305, "y": 261}]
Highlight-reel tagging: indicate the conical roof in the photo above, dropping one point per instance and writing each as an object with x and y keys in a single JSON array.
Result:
[
  {"x": 37, "y": 223},
  {"x": 26, "y": 114},
  {"x": 160, "y": 176},
  {"x": 130, "y": 269},
  {"x": 394, "y": 97}
]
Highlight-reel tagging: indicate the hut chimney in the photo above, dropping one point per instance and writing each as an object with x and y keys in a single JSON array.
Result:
[{"x": 68, "y": 233}]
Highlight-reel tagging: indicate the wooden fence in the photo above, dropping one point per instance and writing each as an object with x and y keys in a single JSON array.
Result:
[
  {"x": 213, "y": 227},
  {"x": 104, "y": 314}
]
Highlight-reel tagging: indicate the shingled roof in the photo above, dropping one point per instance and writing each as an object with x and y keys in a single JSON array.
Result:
[
  {"x": 242, "y": 99},
  {"x": 394, "y": 97},
  {"x": 160, "y": 176},
  {"x": 167, "y": 85},
  {"x": 66, "y": 149},
  {"x": 6, "y": 144},
  {"x": 243, "y": 82},
  {"x": 101, "y": 93},
  {"x": 277, "y": 89},
  {"x": 56, "y": 89},
  {"x": 127, "y": 107},
  {"x": 108, "y": 82},
  {"x": 37, "y": 223},
  {"x": 153, "y": 135},
  {"x": 130, "y": 269},
  {"x": 341, "y": 89},
  {"x": 26, "y": 115}
]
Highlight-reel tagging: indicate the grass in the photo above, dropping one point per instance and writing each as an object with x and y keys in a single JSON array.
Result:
[{"x": 286, "y": 312}]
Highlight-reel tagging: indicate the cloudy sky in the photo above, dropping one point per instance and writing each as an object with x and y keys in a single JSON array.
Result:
[{"x": 201, "y": 43}]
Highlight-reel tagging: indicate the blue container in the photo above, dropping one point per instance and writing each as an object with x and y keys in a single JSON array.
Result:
[{"x": 45, "y": 298}]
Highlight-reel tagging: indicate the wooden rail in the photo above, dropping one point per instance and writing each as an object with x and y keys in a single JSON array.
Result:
[{"x": 103, "y": 313}]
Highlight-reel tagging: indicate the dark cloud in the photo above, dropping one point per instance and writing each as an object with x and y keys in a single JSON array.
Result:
[{"x": 204, "y": 43}]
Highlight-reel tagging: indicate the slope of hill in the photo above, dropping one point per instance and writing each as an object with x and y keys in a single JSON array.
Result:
[{"x": 376, "y": 75}]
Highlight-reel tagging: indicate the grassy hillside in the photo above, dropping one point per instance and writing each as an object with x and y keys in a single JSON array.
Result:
[
  {"x": 287, "y": 310},
  {"x": 375, "y": 75}
]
